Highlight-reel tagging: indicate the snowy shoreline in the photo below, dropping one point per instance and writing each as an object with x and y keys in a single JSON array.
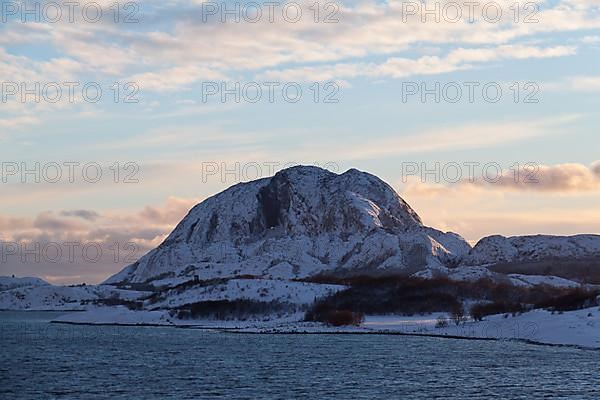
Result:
[
  {"x": 579, "y": 328},
  {"x": 328, "y": 331}
]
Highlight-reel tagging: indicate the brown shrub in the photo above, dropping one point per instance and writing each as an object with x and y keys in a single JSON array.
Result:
[
  {"x": 584, "y": 270},
  {"x": 407, "y": 295},
  {"x": 573, "y": 299},
  {"x": 344, "y": 318},
  {"x": 478, "y": 311}
]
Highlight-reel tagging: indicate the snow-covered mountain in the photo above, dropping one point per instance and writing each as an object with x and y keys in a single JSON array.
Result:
[
  {"x": 500, "y": 249},
  {"x": 301, "y": 222}
]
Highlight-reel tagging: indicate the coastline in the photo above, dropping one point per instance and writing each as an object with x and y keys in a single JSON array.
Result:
[
  {"x": 580, "y": 328},
  {"x": 326, "y": 331}
]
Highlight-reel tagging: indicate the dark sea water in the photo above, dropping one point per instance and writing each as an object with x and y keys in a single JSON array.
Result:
[{"x": 39, "y": 360}]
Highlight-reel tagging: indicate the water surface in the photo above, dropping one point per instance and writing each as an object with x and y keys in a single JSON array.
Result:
[{"x": 39, "y": 360}]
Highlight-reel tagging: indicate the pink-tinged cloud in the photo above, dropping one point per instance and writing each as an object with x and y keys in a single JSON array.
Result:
[
  {"x": 73, "y": 246},
  {"x": 560, "y": 178}
]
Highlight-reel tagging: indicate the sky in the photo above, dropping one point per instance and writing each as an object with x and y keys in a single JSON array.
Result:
[{"x": 117, "y": 118}]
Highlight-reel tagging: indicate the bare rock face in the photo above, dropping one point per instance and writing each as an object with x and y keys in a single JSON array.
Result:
[{"x": 300, "y": 222}]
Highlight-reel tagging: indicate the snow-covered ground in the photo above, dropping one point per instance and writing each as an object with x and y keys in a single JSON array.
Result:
[
  {"x": 579, "y": 327},
  {"x": 576, "y": 328}
]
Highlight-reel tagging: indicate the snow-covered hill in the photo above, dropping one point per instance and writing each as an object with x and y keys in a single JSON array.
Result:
[
  {"x": 298, "y": 223},
  {"x": 11, "y": 282},
  {"x": 55, "y": 298},
  {"x": 497, "y": 249}
]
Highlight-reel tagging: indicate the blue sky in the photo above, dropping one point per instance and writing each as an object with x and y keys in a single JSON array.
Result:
[{"x": 368, "y": 58}]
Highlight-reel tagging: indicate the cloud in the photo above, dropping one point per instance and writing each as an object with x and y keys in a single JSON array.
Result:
[
  {"x": 577, "y": 83},
  {"x": 585, "y": 83},
  {"x": 398, "y": 67},
  {"x": 54, "y": 244},
  {"x": 591, "y": 39},
  {"x": 48, "y": 222},
  {"x": 461, "y": 137},
  {"x": 560, "y": 178},
  {"x": 595, "y": 167},
  {"x": 169, "y": 49},
  {"x": 175, "y": 78},
  {"x": 169, "y": 214},
  {"x": 475, "y": 210},
  {"x": 25, "y": 33},
  {"x": 8, "y": 224},
  {"x": 89, "y": 215},
  {"x": 23, "y": 69},
  {"x": 18, "y": 122}
]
